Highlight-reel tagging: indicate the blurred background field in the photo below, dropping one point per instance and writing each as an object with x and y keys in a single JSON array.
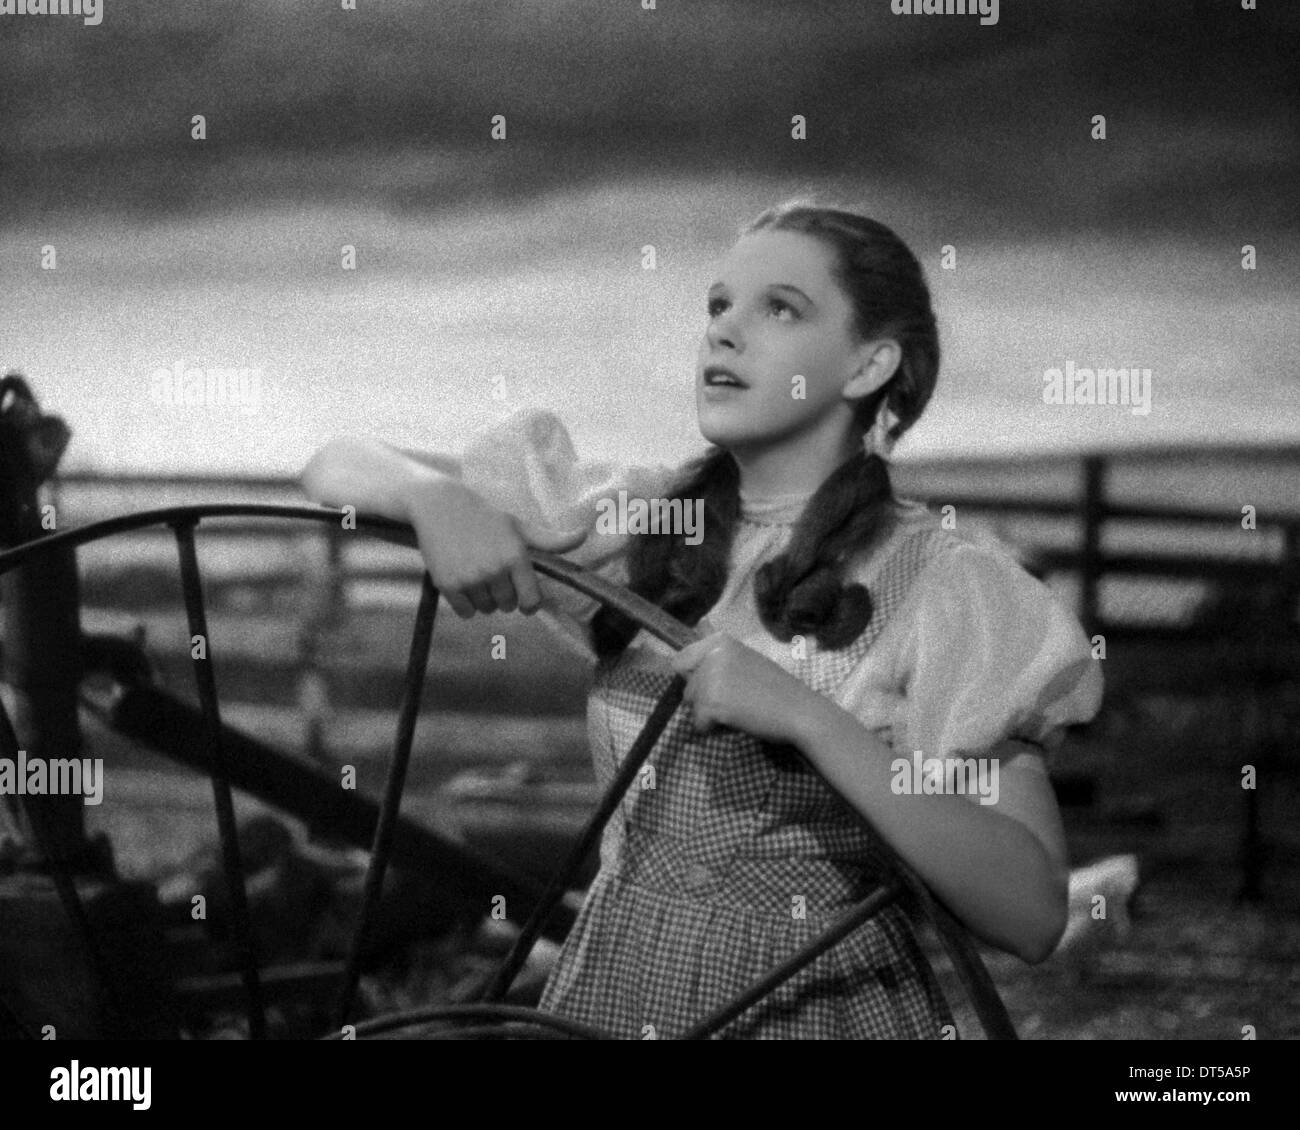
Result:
[{"x": 497, "y": 274}]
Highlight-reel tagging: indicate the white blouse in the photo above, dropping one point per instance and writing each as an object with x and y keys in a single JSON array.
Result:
[{"x": 979, "y": 652}]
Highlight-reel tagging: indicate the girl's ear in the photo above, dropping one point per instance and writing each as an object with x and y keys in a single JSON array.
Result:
[{"x": 878, "y": 361}]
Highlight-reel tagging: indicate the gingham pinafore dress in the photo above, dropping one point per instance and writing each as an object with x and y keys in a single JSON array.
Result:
[{"x": 704, "y": 875}]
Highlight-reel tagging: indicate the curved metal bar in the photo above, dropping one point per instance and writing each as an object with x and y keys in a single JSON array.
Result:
[
  {"x": 654, "y": 619},
  {"x": 966, "y": 962},
  {"x": 849, "y": 921},
  {"x": 505, "y": 1030},
  {"x": 650, "y": 616},
  {"x": 458, "y": 1012},
  {"x": 168, "y": 516},
  {"x": 416, "y": 668},
  {"x": 231, "y": 862},
  {"x": 663, "y": 711}
]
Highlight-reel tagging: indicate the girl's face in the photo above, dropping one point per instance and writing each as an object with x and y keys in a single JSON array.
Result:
[{"x": 776, "y": 314}]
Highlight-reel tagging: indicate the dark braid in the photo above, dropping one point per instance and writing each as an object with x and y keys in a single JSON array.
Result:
[
  {"x": 803, "y": 590},
  {"x": 684, "y": 580}
]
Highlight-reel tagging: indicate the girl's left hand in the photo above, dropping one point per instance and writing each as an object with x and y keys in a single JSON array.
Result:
[{"x": 729, "y": 684}]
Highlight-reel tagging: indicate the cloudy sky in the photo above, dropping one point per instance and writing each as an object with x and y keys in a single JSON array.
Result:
[{"x": 483, "y": 259}]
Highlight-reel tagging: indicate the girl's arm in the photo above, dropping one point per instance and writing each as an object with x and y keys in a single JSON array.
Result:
[
  {"x": 373, "y": 476},
  {"x": 984, "y": 655},
  {"x": 436, "y": 460},
  {"x": 519, "y": 484},
  {"x": 476, "y": 554},
  {"x": 1002, "y": 868}
]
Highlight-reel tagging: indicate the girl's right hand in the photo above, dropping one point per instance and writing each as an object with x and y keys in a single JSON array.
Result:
[{"x": 476, "y": 554}]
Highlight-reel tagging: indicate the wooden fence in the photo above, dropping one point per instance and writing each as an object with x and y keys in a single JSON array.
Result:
[
  {"x": 1241, "y": 627},
  {"x": 300, "y": 668}
]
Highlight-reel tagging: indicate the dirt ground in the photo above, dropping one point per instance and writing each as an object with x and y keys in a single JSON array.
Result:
[
  {"x": 1195, "y": 967},
  {"x": 1197, "y": 963}
]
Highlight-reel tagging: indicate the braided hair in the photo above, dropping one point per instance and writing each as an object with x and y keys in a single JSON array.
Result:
[{"x": 803, "y": 591}]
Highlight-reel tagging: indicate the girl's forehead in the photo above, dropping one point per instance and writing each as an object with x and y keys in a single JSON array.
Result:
[{"x": 766, "y": 257}]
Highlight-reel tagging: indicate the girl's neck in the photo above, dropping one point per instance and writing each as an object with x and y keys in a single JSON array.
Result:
[{"x": 787, "y": 471}]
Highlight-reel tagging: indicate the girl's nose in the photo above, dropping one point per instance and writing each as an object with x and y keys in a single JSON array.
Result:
[{"x": 723, "y": 330}]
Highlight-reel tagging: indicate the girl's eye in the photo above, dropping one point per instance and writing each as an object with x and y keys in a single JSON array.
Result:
[{"x": 717, "y": 305}]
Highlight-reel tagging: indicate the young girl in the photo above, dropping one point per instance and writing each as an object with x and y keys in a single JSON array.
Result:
[{"x": 836, "y": 619}]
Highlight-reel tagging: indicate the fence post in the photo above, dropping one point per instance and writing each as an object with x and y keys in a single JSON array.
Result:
[
  {"x": 1264, "y": 732},
  {"x": 1094, "y": 513},
  {"x": 322, "y": 610},
  {"x": 1290, "y": 572}
]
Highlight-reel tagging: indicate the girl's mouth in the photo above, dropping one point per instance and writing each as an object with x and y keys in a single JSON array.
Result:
[{"x": 716, "y": 376}]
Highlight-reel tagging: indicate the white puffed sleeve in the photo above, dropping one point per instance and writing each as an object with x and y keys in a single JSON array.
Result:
[
  {"x": 526, "y": 465},
  {"x": 987, "y": 652}
]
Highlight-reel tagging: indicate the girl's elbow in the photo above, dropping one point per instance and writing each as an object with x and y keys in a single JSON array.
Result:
[
  {"x": 1037, "y": 947},
  {"x": 315, "y": 478},
  {"x": 309, "y": 479},
  {"x": 1038, "y": 941}
]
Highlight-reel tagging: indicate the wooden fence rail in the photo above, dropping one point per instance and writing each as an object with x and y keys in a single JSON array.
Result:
[{"x": 1087, "y": 559}]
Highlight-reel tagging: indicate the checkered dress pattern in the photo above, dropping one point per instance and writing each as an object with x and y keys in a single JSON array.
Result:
[{"x": 727, "y": 860}]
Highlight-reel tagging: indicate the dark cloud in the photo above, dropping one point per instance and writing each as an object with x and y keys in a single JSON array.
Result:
[{"x": 986, "y": 124}]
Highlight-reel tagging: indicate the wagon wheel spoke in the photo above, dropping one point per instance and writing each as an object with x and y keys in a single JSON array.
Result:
[
  {"x": 382, "y": 849},
  {"x": 563, "y": 878},
  {"x": 850, "y": 920},
  {"x": 231, "y": 862}
]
